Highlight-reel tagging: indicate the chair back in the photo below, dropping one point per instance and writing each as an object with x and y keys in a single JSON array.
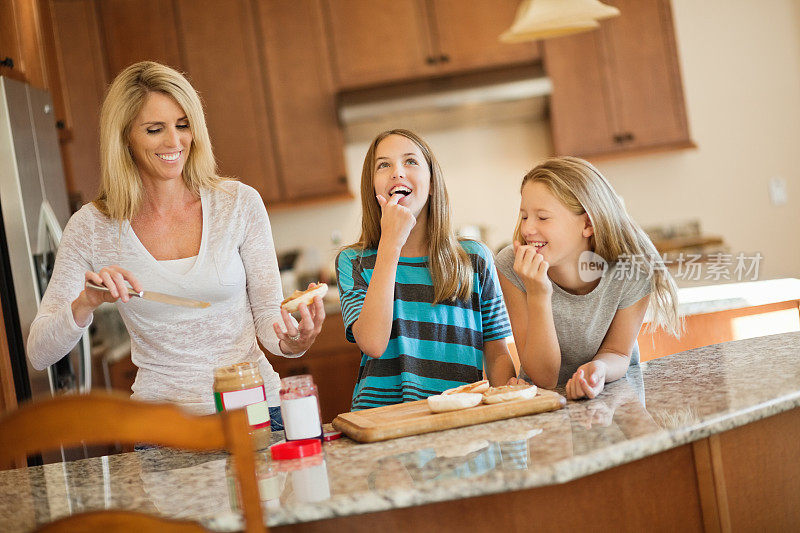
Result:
[{"x": 105, "y": 418}]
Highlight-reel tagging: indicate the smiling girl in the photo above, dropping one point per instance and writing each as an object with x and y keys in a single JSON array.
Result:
[
  {"x": 572, "y": 325},
  {"x": 425, "y": 309}
]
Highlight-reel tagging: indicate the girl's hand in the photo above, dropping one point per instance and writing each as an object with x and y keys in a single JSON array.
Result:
[
  {"x": 516, "y": 381},
  {"x": 116, "y": 279},
  {"x": 588, "y": 381},
  {"x": 300, "y": 337},
  {"x": 396, "y": 220},
  {"x": 531, "y": 267}
]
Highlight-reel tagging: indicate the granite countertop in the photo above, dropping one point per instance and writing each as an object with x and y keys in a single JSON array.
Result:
[{"x": 659, "y": 405}]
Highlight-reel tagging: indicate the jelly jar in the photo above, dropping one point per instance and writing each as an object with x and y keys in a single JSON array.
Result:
[{"x": 300, "y": 408}]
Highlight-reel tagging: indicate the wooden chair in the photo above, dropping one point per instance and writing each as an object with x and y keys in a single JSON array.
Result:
[{"x": 104, "y": 418}]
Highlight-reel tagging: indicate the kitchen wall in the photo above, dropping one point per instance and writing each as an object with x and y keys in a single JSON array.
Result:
[{"x": 740, "y": 63}]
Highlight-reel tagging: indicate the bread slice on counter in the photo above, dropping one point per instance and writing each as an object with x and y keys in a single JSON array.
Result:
[
  {"x": 509, "y": 393},
  {"x": 477, "y": 387},
  {"x": 452, "y": 402}
]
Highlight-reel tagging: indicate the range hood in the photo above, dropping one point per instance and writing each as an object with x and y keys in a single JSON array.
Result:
[{"x": 446, "y": 103}]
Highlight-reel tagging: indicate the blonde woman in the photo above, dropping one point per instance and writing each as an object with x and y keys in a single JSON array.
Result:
[
  {"x": 573, "y": 326},
  {"x": 425, "y": 309},
  {"x": 165, "y": 221}
]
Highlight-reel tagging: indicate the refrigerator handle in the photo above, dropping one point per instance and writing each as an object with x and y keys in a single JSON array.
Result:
[
  {"x": 48, "y": 225},
  {"x": 50, "y": 231}
]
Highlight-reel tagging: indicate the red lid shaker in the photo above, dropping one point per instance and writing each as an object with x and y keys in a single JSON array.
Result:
[{"x": 300, "y": 408}]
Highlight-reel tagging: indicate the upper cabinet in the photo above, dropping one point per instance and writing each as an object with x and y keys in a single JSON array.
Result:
[
  {"x": 467, "y": 35},
  {"x": 269, "y": 73},
  {"x": 378, "y": 41},
  {"x": 384, "y": 41},
  {"x": 83, "y": 80},
  {"x": 218, "y": 36},
  {"x": 136, "y": 30},
  {"x": 618, "y": 89},
  {"x": 266, "y": 86},
  {"x": 307, "y": 135}
]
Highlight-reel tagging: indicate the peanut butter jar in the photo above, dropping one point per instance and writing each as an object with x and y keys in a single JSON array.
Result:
[{"x": 241, "y": 386}]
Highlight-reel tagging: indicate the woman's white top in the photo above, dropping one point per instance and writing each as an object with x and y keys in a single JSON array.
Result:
[
  {"x": 179, "y": 266},
  {"x": 176, "y": 348}
]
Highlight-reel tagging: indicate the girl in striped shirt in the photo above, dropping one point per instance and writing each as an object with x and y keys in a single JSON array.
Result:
[{"x": 424, "y": 307}]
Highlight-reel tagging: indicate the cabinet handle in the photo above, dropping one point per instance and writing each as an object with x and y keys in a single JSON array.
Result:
[
  {"x": 60, "y": 124},
  {"x": 342, "y": 180},
  {"x": 620, "y": 138},
  {"x": 7, "y": 62},
  {"x": 431, "y": 60},
  {"x": 444, "y": 58},
  {"x": 298, "y": 371}
]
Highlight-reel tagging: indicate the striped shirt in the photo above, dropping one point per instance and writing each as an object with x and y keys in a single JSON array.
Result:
[{"x": 431, "y": 347}]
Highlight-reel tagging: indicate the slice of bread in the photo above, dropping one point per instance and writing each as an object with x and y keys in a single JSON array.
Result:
[
  {"x": 453, "y": 402},
  {"x": 292, "y": 303},
  {"x": 509, "y": 393},
  {"x": 477, "y": 387}
]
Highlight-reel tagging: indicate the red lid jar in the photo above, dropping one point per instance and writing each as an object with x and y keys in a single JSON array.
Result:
[{"x": 300, "y": 408}]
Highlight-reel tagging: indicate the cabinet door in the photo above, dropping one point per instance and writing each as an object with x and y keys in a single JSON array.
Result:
[
  {"x": 468, "y": 36},
  {"x": 335, "y": 375},
  {"x": 618, "y": 89},
  {"x": 81, "y": 65},
  {"x": 138, "y": 30},
  {"x": 303, "y": 114},
  {"x": 581, "y": 110},
  {"x": 219, "y": 36},
  {"x": 644, "y": 71},
  {"x": 10, "y": 47},
  {"x": 379, "y": 41}
]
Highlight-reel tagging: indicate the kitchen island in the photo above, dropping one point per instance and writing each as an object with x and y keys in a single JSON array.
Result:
[{"x": 703, "y": 439}]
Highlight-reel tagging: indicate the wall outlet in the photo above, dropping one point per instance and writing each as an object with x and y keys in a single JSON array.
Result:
[{"x": 777, "y": 191}]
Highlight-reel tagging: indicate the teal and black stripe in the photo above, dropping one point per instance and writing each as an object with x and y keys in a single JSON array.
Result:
[{"x": 431, "y": 347}]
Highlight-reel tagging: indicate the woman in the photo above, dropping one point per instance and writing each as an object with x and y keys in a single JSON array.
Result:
[{"x": 165, "y": 221}]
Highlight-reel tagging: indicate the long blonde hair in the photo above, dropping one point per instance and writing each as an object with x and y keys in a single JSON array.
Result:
[
  {"x": 120, "y": 194},
  {"x": 583, "y": 189},
  {"x": 450, "y": 266}
]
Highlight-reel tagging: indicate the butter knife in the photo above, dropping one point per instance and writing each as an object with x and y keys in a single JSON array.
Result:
[{"x": 156, "y": 297}]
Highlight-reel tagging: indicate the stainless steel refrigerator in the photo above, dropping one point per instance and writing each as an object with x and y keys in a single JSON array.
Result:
[{"x": 35, "y": 208}]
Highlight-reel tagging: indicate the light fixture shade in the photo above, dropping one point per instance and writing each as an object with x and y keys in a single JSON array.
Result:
[{"x": 542, "y": 19}]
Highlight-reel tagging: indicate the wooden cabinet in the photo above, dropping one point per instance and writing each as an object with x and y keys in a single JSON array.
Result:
[
  {"x": 266, "y": 85},
  {"x": 303, "y": 113},
  {"x": 332, "y": 361},
  {"x": 467, "y": 34},
  {"x": 722, "y": 326},
  {"x": 135, "y": 30},
  {"x": 76, "y": 35},
  {"x": 618, "y": 89},
  {"x": 378, "y": 41},
  {"x": 21, "y": 42},
  {"x": 219, "y": 34},
  {"x": 384, "y": 41}
]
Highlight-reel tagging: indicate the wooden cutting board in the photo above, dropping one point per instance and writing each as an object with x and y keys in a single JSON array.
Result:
[{"x": 414, "y": 418}]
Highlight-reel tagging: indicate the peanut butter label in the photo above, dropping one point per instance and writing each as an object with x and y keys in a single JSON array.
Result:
[{"x": 254, "y": 400}]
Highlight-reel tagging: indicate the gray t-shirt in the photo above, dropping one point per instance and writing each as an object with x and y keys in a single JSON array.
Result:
[{"x": 582, "y": 321}]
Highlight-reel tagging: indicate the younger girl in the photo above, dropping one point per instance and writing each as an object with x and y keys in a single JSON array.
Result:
[
  {"x": 425, "y": 309},
  {"x": 571, "y": 326}
]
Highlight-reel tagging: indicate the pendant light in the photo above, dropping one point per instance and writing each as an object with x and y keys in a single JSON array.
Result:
[{"x": 542, "y": 19}]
